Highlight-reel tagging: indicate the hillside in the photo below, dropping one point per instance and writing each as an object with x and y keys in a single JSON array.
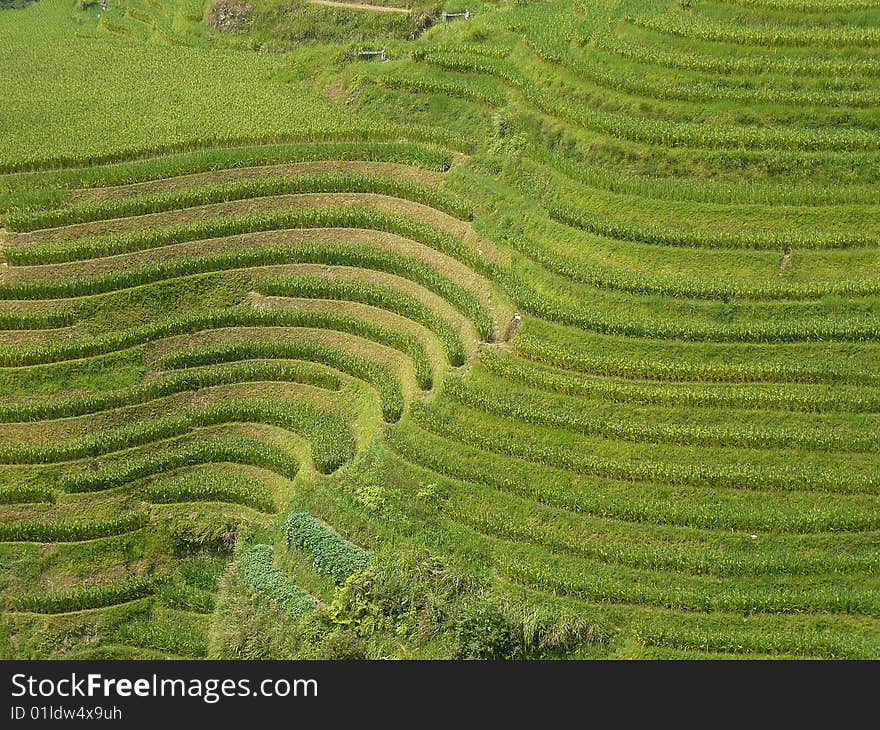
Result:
[{"x": 557, "y": 334}]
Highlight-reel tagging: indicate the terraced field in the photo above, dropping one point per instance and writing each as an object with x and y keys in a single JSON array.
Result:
[{"x": 265, "y": 393}]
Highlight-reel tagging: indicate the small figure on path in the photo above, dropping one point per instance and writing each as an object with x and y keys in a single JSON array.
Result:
[
  {"x": 785, "y": 262},
  {"x": 512, "y": 327}
]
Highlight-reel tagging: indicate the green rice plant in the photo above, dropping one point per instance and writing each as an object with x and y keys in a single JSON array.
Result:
[
  {"x": 347, "y": 132},
  {"x": 224, "y": 158},
  {"x": 237, "y": 190},
  {"x": 529, "y": 444},
  {"x": 448, "y": 87},
  {"x": 726, "y": 64},
  {"x": 545, "y": 410},
  {"x": 576, "y": 217},
  {"x": 693, "y": 189},
  {"x": 194, "y": 487},
  {"x": 240, "y": 316},
  {"x": 168, "y": 384},
  {"x": 808, "y": 329},
  {"x": 39, "y": 320},
  {"x": 603, "y": 277},
  {"x": 327, "y": 217},
  {"x": 810, "y": 6},
  {"x": 337, "y": 254},
  {"x": 637, "y": 502},
  {"x": 185, "y": 598},
  {"x": 381, "y": 377},
  {"x": 590, "y": 580},
  {"x": 613, "y": 78},
  {"x": 85, "y": 597},
  {"x": 375, "y": 295},
  {"x": 715, "y": 395},
  {"x": 237, "y": 451},
  {"x": 646, "y": 547},
  {"x": 538, "y": 350},
  {"x": 178, "y": 633},
  {"x": 638, "y": 128},
  {"x": 272, "y": 585},
  {"x": 330, "y": 553},
  {"x": 25, "y": 493},
  {"x": 331, "y": 440},
  {"x": 71, "y": 530},
  {"x": 767, "y": 35}
]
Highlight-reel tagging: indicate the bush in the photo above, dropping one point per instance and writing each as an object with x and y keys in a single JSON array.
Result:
[
  {"x": 330, "y": 553},
  {"x": 272, "y": 585}
]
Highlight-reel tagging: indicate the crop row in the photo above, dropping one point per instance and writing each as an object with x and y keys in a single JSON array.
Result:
[
  {"x": 36, "y": 320},
  {"x": 813, "y": 6},
  {"x": 355, "y": 290},
  {"x": 726, "y": 64},
  {"x": 232, "y": 450},
  {"x": 603, "y": 277},
  {"x": 577, "y": 217},
  {"x": 525, "y": 444},
  {"x": 79, "y": 405},
  {"x": 241, "y": 316},
  {"x": 636, "y": 502},
  {"x": 272, "y": 585},
  {"x": 426, "y": 85},
  {"x": 716, "y": 90},
  {"x": 196, "y": 488},
  {"x": 331, "y": 254},
  {"x": 330, "y": 553},
  {"x": 700, "y": 190},
  {"x": 25, "y": 493},
  {"x": 691, "y": 396},
  {"x": 595, "y": 581},
  {"x": 71, "y": 530},
  {"x": 185, "y": 598},
  {"x": 331, "y": 440},
  {"x": 210, "y": 160},
  {"x": 730, "y": 634},
  {"x": 329, "y": 217},
  {"x": 380, "y": 376},
  {"x": 165, "y": 631},
  {"x": 768, "y": 36},
  {"x": 538, "y": 350},
  {"x": 808, "y": 329},
  {"x": 352, "y": 134},
  {"x": 238, "y": 190},
  {"x": 697, "y": 135},
  {"x": 543, "y": 410},
  {"x": 83, "y": 598},
  {"x": 328, "y": 431},
  {"x": 515, "y": 519}
]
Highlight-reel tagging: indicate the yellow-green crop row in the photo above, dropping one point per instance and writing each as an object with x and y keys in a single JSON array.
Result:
[
  {"x": 87, "y": 597},
  {"x": 767, "y": 35},
  {"x": 376, "y": 295},
  {"x": 380, "y": 376},
  {"x": 334, "y": 254},
  {"x": 237, "y": 190}
]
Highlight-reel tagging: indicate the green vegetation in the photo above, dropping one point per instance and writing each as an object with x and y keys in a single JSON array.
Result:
[{"x": 265, "y": 395}]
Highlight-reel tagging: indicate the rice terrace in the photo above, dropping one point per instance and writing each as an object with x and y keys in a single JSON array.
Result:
[{"x": 440, "y": 329}]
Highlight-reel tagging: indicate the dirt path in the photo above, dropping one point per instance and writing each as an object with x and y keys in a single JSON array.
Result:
[{"x": 359, "y": 6}]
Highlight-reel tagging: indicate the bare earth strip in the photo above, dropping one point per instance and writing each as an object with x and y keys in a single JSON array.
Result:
[{"x": 359, "y": 6}]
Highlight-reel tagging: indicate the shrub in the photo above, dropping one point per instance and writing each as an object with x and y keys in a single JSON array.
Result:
[
  {"x": 272, "y": 585},
  {"x": 330, "y": 553}
]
